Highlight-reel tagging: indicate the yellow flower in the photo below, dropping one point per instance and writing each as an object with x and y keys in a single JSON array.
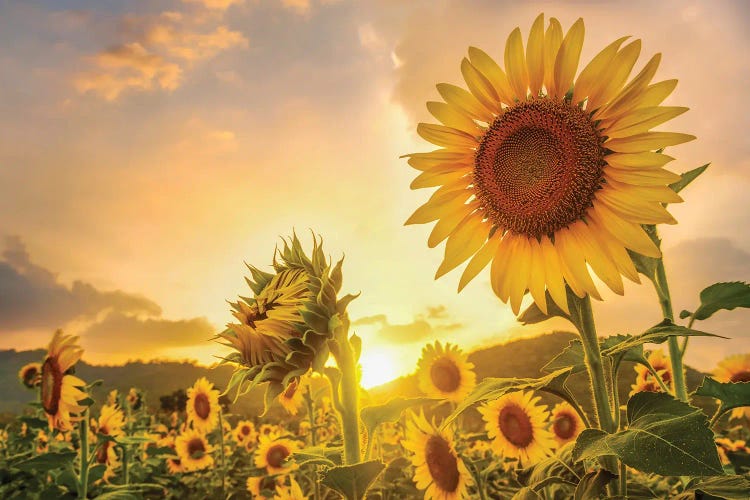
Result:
[
  {"x": 111, "y": 421},
  {"x": 517, "y": 427},
  {"x": 272, "y": 453},
  {"x": 113, "y": 397},
  {"x": 245, "y": 432},
  {"x": 42, "y": 441},
  {"x": 724, "y": 445},
  {"x": 30, "y": 375},
  {"x": 445, "y": 372},
  {"x": 566, "y": 424},
  {"x": 438, "y": 468},
  {"x": 291, "y": 398},
  {"x": 106, "y": 455},
  {"x": 61, "y": 391},
  {"x": 256, "y": 484},
  {"x": 193, "y": 450},
  {"x": 645, "y": 380},
  {"x": 203, "y": 405},
  {"x": 735, "y": 368},
  {"x": 545, "y": 174},
  {"x": 292, "y": 492},
  {"x": 134, "y": 398}
]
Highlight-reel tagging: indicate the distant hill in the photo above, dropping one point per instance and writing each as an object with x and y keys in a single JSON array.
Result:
[{"x": 517, "y": 358}]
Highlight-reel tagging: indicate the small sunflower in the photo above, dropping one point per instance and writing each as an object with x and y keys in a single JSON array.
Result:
[
  {"x": 30, "y": 375},
  {"x": 735, "y": 368},
  {"x": 174, "y": 464},
  {"x": 256, "y": 484},
  {"x": 193, "y": 450},
  {"x": 203, "y": 405},
  {"x": 42, "y": 442},
  {"x": 291, "y": 398},
  {"x": 113, "y": 398},
  {"x": 60, "y": 391},
  {"x": 517, "y": 427},
  {"x": 566, "y": 424},
  {"x": 291, "y": 492},
  {"x": 445, "y": 373},
  {"x": 111, "y": 421},
  {"x": 438, "y": 468},
  {"x": 272, "y": 454},
  {"x": 245, "y": 432},
  {"x": 107, "y": 455},
  {"x": 134, "y": 399},
  {"x": 544, "y": 174},
  {"x": 645, "y": 380}
]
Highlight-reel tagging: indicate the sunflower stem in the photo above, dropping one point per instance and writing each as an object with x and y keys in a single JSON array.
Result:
[
  {"x": 658, "y": 378},
  {"x": 125, "y": 448},
  {"x": 675, "y": 354},
  {"x": 223, "y": 457},
  {"x": 349, "y": 397},
  {"x": 83, "y": 430}
]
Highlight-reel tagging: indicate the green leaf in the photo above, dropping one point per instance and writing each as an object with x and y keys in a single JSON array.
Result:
[
  {"x": 526, "y": 493},
  {"x": 731, "y": 394},
  {"x": 493, "y": 388},
  {"x": 722, "y": 296},
  {"x": 665, "y": 436},
  {"x": 657, "y": 334},
  {"x": 571, "y": 357},
  {"x": 533, "y": 314},
  {"x": 725, "y": 487},
  {"x": 323, "y": 455},
  {"x": 34, "y": 422},
  {"x": 560, "y": 465},
  {"x": 47, "y": 461},
  {"x": 688, "y": 177},
  {"x": 372, "y": 416},
  {"x": 96, "y": 472},
  {"x": 592, "y": 485},
  {"x": 352, "y": 481}
]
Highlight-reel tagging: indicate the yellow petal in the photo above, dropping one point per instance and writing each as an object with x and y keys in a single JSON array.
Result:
[
  {"x": 535, "y": 55},
  {"x": 591, "y": 80},
  {"x": 566, "y": 62},
  {"x": 622, "y": 65},
  {"x": 464, "y": 242},
  {"x": 633, "y": 208},
  {"x": 630, "y": 234},
  {"x": 617, "y": 251},
  {"x": 652, "y": 96},
  {"x": 480, "y": 259},
  {"x": 637, "y": 160},
  {"x": 598, "y": 257},
  {"x": 647, "y": 141},
  {"x": 536, "y": 275},
  {"x": 515, "y": 65},
  {"x": 438, "y": 177},
  {"x": 445, "y": 136},
  {"x": 499, "y": 265},
  {"x": 480, "y": 87},
  {"x": 451, "y": 116},
  {"x": 448, "y": 223},
  {"x": 425, "y": 161},
  {"x": 573, "y": 263},
  {"x": 464, "y": 100},
  {"x": 636, "y": 86},
  {"x": 641, "y": 177},
  {"x": 642, "y": 120},
  {"x": 518, "y": 271},
  {"x": 493, "y": 73},
  {"x": 552, "y": 40},
  {"x": 438, "y": 206},
  {"x": 553, "y": 275},
  {"x": 659, "y": 194}
]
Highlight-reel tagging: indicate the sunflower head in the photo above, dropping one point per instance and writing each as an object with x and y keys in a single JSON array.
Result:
[
  {"x": 245, "y": 432},
  {"x": 111, "y": 421},
  {"x": 193, "y": 450},
  {"x": 291, "y": 492},
  {"x": 272, "y": 454},
  {"x": 292, "y": 397},
  {"x": 518, "y": 427},
  {"x": 257, "y": 484},
  {"x": 545, "y": 174},
  {"x": 735, "y": 368},
  {"x": 203, "y": 405},
  {"x": 30, "y": 375},
  {"x": 60, "y": 390},
  {"x": 134, "y": 399},
  {"x": 566, "y": 424},
  {"x": 444, "y": 372},
  {"x": 438, "y": 468}
]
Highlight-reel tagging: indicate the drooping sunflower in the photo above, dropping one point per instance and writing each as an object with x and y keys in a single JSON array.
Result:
[
  {"x": 30, "y": 375},
  {"x": 291, "y": 492},
  {"x": 735, "y": 368},
  {"x": 193, "y": 450},
  {"x": 543, "y": 173},
  {"x": 438, "y": 468},
  {"x": 291, "y": 398},
  {"x": 60, "y": 390},
  {"x": 566, "y": 423},
  {"x": 245, "y": 432},
  {"x": 518, "y": 427},
  {"x": 203, "y": 405},
  {"x": 272, "y": 454},
  {"x": 113, "y": 397},
  {"x": 445, "y": 373}
]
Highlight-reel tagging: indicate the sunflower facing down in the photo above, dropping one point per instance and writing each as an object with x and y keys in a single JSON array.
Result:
[
  {"x": 61, "y": 391},
  {"x": 544, "y": 174},
  {"x": 291, "y": 398},
  {"x": 566, "y": 424},
  {"x": 735, "y": 368},
  {"x": 203, "y": 405},
  {"x": 30, "y": 375},
  {"x": 445, "y": 373},
  {"x": 438, "y": 468},
  {"x": 517, "y": 427},
  {"x": 273, "y": 453},
  {"x": 193, "y": 450}
]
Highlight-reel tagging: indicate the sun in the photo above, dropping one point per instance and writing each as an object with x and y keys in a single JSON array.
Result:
[{"x": 378, "y": 367}]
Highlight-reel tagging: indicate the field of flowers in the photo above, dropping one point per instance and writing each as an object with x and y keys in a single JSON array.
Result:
[{"x": 549, "y": 179}]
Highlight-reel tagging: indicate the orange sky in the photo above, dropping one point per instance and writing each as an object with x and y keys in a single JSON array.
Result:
[{"x": 149, "y": 148}]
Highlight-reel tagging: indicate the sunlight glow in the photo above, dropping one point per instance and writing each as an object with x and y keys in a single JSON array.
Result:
[{"x": 378, "y": 367}]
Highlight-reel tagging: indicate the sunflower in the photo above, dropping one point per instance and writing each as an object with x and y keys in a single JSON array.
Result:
[
  {"x": 735, "y": 368},
  {"x": 445, "y": 373},
  {"x": 111, "y": 421},
  {"x": 438, "y": 468},
  {"x": 203, "y": 405},
  {"x": 113, "y": 398},
  {"x": 30, "y": 375},
  {"x": 291, "y": 398},
  {"x": 42, "y": 442},
  {"x": 256, "y": 484},
  {"x": 134, "y": 398},
  {"x": 245, "y": 432},
  {"x": 272, "y": 453},
  {"x": 566, "y": 424},
  {"x": 517, "y": 427},
  {"x": 107, "y": 455},
  {"x": 193, "y": 450},
  {"x": 60, "y": 391},
  {"x": 544, "y": 174},
  {"x": 645, "y": 380},
  {"x": 291, "y": 492},
  {"x": 174, "y": 464}
]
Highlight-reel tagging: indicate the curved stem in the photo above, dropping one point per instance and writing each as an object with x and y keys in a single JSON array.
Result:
[
  {"x": 675, "y": 354},
  {"x": 83, "y": 430},
  {"x": 349, "y": 397},
  {"x": 686, "y": 339},
  {"x": 658, "y": 378}
]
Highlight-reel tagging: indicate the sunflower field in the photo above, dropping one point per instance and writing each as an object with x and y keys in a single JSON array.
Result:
[{"x": 547, "y": 171}]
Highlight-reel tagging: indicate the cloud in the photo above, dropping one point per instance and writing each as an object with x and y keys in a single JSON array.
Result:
[
  {"x": 300, "y": 7},
  {"x": 376, "y": 319},
  {"x": 437, "y": 312},
  {"x": 216, "y": 4},
  {"x": 417, "y": 330},
  {"x": 33, "y": 298}
]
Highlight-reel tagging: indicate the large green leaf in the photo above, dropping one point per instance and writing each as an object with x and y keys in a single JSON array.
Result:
[
  {"x": 724, "y": 487},
  {"x": 526, "y": 493},
  {"x": 322, "y": 455},
  {"x": 722, "y": 296},
  {"x": 493, "y": 388},
  {"x": 573, "y": 356},
  {"x": 533, "y": 314},
  {"x": 731, "y": 394},
  {"x": 558, "y": 465},
  {"x": 657, "y": 334},
  {"x": 47, "y": 461},
  {"x": 593, "y": 484},
  {"x": 665, "y": 436},
  {"x": 372, "y": 416},
  {"x": 688, "y": 177},
  {"x": 352, "y": 481}
]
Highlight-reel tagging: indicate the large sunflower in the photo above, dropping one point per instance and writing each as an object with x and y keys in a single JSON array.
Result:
[
  {"x": 30, "y": 375},
  {"x": 193, "y": 450},
  {"x": 566, "y": 424},
  {"x": 517, "y": 427},
  {"x": 439, "y": 470},
  {"x": 735, "y": 368},
  {"x": 445, "y": 373},
  {"x": 545, "y": 174},
  {"x": 59, "y": 389},
  {"x": 272, "y": 454},
  {"x": 203, "y": 405}
]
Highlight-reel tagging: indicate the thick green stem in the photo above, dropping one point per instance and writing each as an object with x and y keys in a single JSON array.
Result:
[
  {"x": 84, "y": 473},
  {"x": 125, "y": 447},
  {"x": 223, "y": 457},
  {"x": 675, "y": 355},
  {"x": 349, "y": 398}
]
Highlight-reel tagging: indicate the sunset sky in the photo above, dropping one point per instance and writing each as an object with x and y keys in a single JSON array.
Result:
[{"x": 148, "y": 149}]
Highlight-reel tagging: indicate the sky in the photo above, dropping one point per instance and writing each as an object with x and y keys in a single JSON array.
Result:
[{"x": 150, "y": 149}]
